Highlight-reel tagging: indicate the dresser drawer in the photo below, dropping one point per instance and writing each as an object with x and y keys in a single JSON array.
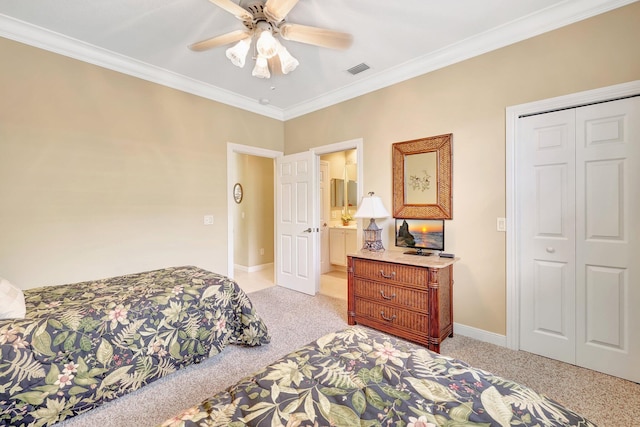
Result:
[
  {"x": 390, "y": 272},
  {"x": 392, "y": 316},
  {"x": 405, "y": 297}
]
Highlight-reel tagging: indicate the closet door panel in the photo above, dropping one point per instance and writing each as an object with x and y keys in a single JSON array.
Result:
[
  {"x": 547, "y": 247},
  {"x": 608, "y": 237}
]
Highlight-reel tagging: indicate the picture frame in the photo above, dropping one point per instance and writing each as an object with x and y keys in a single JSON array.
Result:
[
  {"x": 422, "y": 178},
  {"x": 238, "y": 193}
]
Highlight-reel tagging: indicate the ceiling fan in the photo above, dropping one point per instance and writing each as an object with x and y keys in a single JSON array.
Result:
[{"x": 265, "y": 21}]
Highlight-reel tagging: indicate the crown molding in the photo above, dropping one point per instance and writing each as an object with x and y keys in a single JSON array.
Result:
[
  {"x": 551, "y": 18},
  {"x": 39, "y": 37}
]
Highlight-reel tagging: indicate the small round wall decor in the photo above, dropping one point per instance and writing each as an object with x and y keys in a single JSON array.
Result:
[{"x": 237, "y": 192}]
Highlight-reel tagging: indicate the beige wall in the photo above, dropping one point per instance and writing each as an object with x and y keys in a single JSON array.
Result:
[
  {"x": 469, "y": 100},
  {"x": 103, "y": 174}
]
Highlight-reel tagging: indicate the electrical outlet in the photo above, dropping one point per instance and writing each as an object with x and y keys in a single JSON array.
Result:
[
  {"x": 261, "y": 251},
  {"x": 208, "y": 220},
  {"x": 501, "y": 224}
]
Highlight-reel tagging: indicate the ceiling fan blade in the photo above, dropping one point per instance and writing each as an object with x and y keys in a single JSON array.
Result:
[
  {"x": 316, "y": 36},
  {"x": 231, "y": 7},
  {"x": 227, "y": 38},
  {"x": 276, "y": 10}
]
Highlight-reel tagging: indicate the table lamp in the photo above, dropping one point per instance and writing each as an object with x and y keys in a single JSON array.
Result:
[{"x": 371, "y": 207}]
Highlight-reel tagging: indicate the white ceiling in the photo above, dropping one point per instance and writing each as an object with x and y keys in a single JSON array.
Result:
[{"x": 397, "y": 39}]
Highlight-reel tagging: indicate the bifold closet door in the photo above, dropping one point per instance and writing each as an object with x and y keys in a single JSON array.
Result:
[
  {"x": 579, "y": 240},
  {"x": 608, "y": 237}
]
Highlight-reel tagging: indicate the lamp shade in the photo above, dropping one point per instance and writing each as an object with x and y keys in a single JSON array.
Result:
[
  {"x": 238, "y": 53},
  {"x": 261, "y": 69},
  {"x": 267, "y": 45},
  {"x": 287, "y": 61},
  {"x": 371, "y": 207}
]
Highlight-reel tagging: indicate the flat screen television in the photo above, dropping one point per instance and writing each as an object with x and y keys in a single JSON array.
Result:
[{"x": 421, "y": 236}]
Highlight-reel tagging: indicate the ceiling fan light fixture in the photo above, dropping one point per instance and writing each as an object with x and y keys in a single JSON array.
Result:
[
  {"x": 287, "y": 62},
  {"x": 264, "y": 22},
  {"x": 261, "y": 69},
  {"x": 267, "y": 45},
  {"x": 237, "y": 54}
]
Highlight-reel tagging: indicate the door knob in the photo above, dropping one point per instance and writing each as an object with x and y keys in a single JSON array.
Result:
[
  {"x": 308, "y": 230},
  {"x": 551, "y": 250}
]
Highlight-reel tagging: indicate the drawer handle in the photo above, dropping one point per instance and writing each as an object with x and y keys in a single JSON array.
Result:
[
  {"x": 388, "y": 319},
  {"x": 390, "y": 276},
  {"x": 387, "y": 297}
]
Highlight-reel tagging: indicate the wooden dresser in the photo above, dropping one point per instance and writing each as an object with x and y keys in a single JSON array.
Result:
[{"x": 409, "y": 296}]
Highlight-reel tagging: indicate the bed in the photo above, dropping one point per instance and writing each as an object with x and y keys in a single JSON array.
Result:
[
  {"x": 83, "y": 344},
  {"x": 362, "y": 377}
]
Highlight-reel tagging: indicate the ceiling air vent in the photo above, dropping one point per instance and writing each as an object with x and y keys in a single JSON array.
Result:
[{"x": 358, "y": 68}]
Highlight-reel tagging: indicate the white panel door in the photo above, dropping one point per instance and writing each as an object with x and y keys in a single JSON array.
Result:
[
  {"x": 547, "y": 244},
  {"x": 297, "y": 231},
  {"x": 608, "y": 237}
]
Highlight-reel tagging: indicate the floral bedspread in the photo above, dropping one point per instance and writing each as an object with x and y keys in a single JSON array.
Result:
[
  {"x": 360, "y": 377},
  {"x": 83, "y": 344}
]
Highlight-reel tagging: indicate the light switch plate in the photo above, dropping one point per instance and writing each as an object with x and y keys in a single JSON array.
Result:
[
  {"x": 501, "y": 224},
  {"x": 208, "y": 220}
]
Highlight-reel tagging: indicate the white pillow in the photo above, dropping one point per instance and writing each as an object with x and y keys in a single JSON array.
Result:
[{"x": 11, "y": 301}]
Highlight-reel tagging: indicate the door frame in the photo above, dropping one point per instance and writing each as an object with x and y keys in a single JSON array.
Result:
[
  {"x": 233, "y": 149},
  {"x": 512, "y": 114}
]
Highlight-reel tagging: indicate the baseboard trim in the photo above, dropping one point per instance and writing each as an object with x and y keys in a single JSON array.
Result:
[
  {"x": 480, "y": 334},
  {"x": 253, "y": 268}
]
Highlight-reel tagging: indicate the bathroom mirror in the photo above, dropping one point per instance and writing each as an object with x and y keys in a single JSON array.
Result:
[
  {"x": 345, "y": 189},
  {"x": 352, "y": 194},
  {"x": 350, "y": 176},
  {"x": 337, "y": 193}
]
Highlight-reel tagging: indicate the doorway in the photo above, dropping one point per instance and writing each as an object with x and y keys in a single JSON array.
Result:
[
  {"x": 339, "y": 191},
  {"x": 233, "y": 149},
  {"x": 251, "y": 216},
  {"x": 338, "y": 203}
]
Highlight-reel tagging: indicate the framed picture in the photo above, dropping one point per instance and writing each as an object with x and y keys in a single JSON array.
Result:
[
  {"x": 422, "y": 178},
  {"x": 237, "y": 192}
]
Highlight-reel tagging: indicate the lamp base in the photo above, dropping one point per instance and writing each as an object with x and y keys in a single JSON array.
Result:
[
  {"x": 372, "y": 237},
  {"x": 375, "y": 246}
]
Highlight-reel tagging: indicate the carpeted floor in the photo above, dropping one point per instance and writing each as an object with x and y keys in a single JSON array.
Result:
[{"x": 294, "y": 319}]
